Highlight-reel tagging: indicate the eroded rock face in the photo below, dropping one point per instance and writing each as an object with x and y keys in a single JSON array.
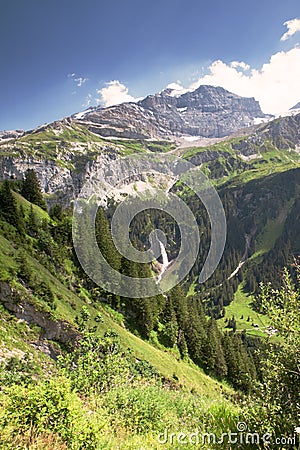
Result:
[
  {"x": 56, "y": 330},
  {"x": 207, "y": 112},
  {"x": 62, "y": 184},
  {"x": 65, "y": 164},
  {"x": 12, "y": 134}
]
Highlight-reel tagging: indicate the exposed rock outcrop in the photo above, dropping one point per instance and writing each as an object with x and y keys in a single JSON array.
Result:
[
  {"x": 12, "y": 134},
  {"x": 207, "y": 112},
  {"x": 56, "y": 330},
  {"x": 61, "y": 183}
]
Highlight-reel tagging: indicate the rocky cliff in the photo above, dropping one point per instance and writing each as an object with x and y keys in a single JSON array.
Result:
[
  {"x": 67, "y": 153},
  {"x": 206, "y": 112},
  {"x": 54, "y": 329}
]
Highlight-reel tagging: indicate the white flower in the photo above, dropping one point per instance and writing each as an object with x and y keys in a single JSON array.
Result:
[{"x": 297, "y": 430}]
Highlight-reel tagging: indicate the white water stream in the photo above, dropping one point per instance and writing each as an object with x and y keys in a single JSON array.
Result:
[{"x": 165, "y": 260}]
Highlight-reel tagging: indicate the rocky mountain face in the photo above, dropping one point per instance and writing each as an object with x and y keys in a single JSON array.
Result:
[
  {"x": 65, "y": 154},
  {"x": 297, "y": 106},
  {"x": 12, "y": 134},
  {"x": 208, "y": 111}
]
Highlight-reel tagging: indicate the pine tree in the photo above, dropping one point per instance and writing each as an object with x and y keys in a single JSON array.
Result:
[
  {"x": 31, "y": 189},
  {"x": 147, "y": 307},
  {"x": 241, "y": 369},
  {"x": 145, "y": 310},
  {"x": 105, "y": 241},
  {"x": 56, "y": 212},
  {"x": 24, "y": 268},
  {"x": 9, "y": 209},
  {"x": 195, "y": 330},
  {"x": 231, "y": 357},
  {"x": 180, "y": 305},
  {"x": 44, "y": 291},
  {"x": 169, "y": 333},
  {"x": 83, "y": 230},
  {"x": 182, "y": 345},
  {"x": 179, "y": 302},
  {"x": 214, "y": 356},
  {"x": 32, "y": 223}
]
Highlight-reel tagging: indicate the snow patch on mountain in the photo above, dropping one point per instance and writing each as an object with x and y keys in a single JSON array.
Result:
[{"x": 82, "y": 114}]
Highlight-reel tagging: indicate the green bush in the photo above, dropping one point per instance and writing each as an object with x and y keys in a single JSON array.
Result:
[
  {"x": 18, "y": 370},
  {"x": 48, "y": 408},
  {"x": 100, "y": 364}
]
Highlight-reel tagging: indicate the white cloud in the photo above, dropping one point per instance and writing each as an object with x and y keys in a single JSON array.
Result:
[
  {"x": 78, "y": 80},
  {"x": 293, "y": 26},
  {"x": 239, "y": 64},
  {"x": 177, "y": 89},
  {"x": 275, "y": 85},
  {"x": 114, "y": 93},
  {"x": 87, "y": 101}
]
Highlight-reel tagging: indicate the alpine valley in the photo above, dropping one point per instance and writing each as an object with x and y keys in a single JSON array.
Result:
[{"x": 82, "y": 368}]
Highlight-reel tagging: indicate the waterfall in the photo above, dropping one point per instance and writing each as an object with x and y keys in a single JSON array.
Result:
[{"x": 164, "y": 259}]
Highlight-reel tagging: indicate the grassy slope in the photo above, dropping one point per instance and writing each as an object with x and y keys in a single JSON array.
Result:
[
  {"x": 16, "y": 336},
  {"x": 188, "y": 374},
  {"x": 55, "y": 141},
  {"x": 271, "y": 232},
  {"x": 68, "y": 306},
  {"x": 241, "y": 309},
  {"x": 271, "y": 160},
  {"x": 26, "y": 205}
]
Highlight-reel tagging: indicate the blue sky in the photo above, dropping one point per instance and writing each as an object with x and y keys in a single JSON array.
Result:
[{"x": 59, "y": 56}]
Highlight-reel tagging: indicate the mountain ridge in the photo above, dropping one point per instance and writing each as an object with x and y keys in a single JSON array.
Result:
[
  {"x": 66, "y": 153},
  {"x": 206, "y": 112}
]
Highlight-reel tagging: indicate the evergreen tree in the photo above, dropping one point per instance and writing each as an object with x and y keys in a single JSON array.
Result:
[
  {"x": 213, "y": 351},
  {"x": 241, "y": 369},
  {"x": 146, "y": 307},
  {"x": 32, "y": 223},
  {"x": 105, "y": 241},
  {"x": 182, "y": 345},
  {"x": 232, "y": 324},
  {"x": 195, "y": 330},
  {"x": 169, "y": 334},
  {"x": 179, "y": 301},
  {"x": 9, "y": 209},
  {"x": 24, "y": 268},
  {"x": 56, "y": 212},
  {"x": 83, "y": 231},
  {"x": 231, "y": 357},
  {"x": 145, "y": 310},
  {"x": 44, "y": 291},
  {"x": 31, "y": 189}
]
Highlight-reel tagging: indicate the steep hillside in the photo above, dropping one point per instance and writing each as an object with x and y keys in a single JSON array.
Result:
[
  {"x": 50, "y": 312},
  {"x": 130, "y": 366}
]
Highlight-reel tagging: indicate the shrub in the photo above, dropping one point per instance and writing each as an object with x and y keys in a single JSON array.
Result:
[
  {"x": 48, "y": 408},
  {"x": 18, "y": 370}
]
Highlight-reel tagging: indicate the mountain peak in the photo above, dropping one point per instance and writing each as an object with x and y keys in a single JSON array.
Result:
[
  {"x": 297, "y": 106},
  {"x": 208, "y": 111}
]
